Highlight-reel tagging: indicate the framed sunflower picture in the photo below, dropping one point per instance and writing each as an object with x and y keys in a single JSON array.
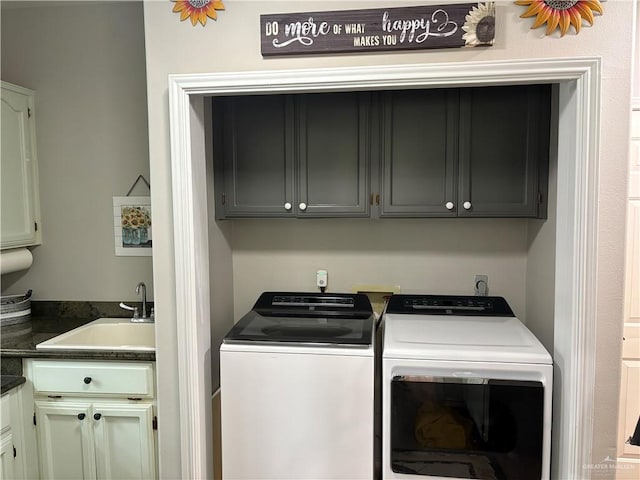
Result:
[{"x": 132, "y": 226}]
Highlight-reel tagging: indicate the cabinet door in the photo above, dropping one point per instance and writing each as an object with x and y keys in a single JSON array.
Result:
[
  {"x": 124, "y": 441},
  {"x": 419, "y": 153},
  {"x": 333, "y": 156},
  {"x": 256, "y": 145},
  {"x": 19, "y": 199},
  {"x": 7, "y": 460},
  {"x": 13, "y": 447},
  {"x": 65, "y": 441},
  {"x": 503, "y": 145}
]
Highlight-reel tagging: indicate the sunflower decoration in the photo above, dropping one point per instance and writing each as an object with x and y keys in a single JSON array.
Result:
[
  {"x": 480, "y": 25},
  {"x": 135, "y": 217},
  {"x": 197, "y": 10},
  {"x": 561, "y": 13}
]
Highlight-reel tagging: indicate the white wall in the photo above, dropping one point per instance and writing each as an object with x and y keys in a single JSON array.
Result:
[
  {"x": 86, "y": 63},
  {"x": 232, "y": 44}
]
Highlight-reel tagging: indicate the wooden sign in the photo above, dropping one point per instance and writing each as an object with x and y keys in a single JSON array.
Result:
[{"x": 375, "y": 30}]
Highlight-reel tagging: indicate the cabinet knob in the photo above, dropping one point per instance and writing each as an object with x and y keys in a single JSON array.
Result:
[
  {"x": 97, "y": 416},
  {"x": 81, "y": 416},
  {"x": 449, "y": 205},
  {"x": 287, "y": 206},
  {"x": 467, "y": 205},
  {"x": 302, "y": 206},
  {"x": 87, "y": 380}
]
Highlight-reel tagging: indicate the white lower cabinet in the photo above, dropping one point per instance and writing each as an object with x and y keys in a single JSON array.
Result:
[
  {"x": 7, "y": 458},
  {"x": 7, "y": 462},
  {"x": 13, "y": 453},
  {"x": 87, "y": 428},
  {"x": 95, "y": 441}
]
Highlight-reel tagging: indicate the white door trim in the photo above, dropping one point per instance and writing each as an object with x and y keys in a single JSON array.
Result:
[{"x": 576, "y": 242}]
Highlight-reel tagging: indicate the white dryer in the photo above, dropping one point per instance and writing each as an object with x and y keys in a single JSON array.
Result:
[
  {"x": 297, "y": 389},
  {"x": 467, "y": 391}
]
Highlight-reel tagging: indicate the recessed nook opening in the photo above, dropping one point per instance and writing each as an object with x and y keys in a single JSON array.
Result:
[{"x": 575, "y": 236}]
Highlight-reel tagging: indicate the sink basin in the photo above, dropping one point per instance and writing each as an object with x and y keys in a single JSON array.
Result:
[{"x": 106, "y": 334}]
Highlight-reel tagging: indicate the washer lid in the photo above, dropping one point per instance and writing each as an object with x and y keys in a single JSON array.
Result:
[
  {"x": 306, "y": 319},
  {"x": 464, "y": 338}
]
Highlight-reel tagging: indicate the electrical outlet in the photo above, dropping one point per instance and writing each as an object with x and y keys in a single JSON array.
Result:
[
  {"x": 481, "y": 285},
  {"x": 322, "y": 278}
]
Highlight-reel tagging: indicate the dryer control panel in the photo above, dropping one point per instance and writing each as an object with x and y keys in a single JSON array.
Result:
[{"x": 449, "y": 305}]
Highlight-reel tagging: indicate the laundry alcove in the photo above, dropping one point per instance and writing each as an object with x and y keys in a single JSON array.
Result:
[{"x": 576, "y": 216}]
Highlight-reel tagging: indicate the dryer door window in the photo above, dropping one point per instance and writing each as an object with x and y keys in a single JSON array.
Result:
[{"x": 474, "y": 428}]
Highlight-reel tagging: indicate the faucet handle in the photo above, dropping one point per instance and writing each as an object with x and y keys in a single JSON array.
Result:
[
  {"x": 130, "y": 308},
  {"x": 127, "y": 307}
]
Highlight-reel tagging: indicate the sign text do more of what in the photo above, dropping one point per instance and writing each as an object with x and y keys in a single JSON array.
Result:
[{"x": 409, "y": 28}]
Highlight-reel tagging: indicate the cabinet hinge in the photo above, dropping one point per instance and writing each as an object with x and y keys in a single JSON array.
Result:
[
  {"x": 15, "y": 453},
  {"x": 224, "y": 199},
  {"x": 34, "y": 418},
  {"x": 155, "y": 422}
]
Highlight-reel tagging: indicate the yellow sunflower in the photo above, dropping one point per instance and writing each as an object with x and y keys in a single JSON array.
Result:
[
  {"x": 197, "y": 10},
  {"x": 561, "y": 13}
]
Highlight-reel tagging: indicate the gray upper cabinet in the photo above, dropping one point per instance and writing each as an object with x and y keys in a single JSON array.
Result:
[
  {"x": 254, "y": 137},
  {"x": 333, "y": 154},
  {"x": 470, "y": 152},
  {"x": 292, "y": 155},
  {"x": 504, "y": 149},
  {"x": 419, "y": 152},
  {"x": 459, "y": 152}
]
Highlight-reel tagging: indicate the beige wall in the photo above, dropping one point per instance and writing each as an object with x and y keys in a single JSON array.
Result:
[
  {"x": 429, "y": 255},
  {"x": 232, "y": 44},
  {"x": 86, "y": 65}
]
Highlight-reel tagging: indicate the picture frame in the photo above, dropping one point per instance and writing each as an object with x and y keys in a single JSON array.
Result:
[{"x": 132, "y": 226}]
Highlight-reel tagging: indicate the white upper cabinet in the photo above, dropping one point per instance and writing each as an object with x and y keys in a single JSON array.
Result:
[{"x": 19, "y": 203}]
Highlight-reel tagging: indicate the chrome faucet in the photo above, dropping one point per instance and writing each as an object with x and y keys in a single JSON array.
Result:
[
  {"x": 142, "y": 286},
  {"x": 136, "y": 318}
]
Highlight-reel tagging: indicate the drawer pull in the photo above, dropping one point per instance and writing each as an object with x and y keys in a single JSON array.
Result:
[
  {"x": 81, "y": 416},
  {"x": 97, "y": 416},
  {"x": 87, "y": 380}
]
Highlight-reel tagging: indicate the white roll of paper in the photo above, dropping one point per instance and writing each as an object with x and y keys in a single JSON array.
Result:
[{"x": 15, "y": 260}]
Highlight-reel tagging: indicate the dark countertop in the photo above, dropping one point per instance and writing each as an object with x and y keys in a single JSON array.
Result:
[
  {"x": 11, "y": 381},
  {"x": 50, "y": 319}
]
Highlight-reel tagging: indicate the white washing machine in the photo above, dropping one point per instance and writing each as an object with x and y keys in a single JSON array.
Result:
[
  {"x": 297, "y": 389},
  {"x": 467, "y": 391}
]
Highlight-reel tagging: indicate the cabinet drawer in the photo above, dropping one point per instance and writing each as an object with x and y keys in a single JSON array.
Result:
[{"x": 92, "y": 378}]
